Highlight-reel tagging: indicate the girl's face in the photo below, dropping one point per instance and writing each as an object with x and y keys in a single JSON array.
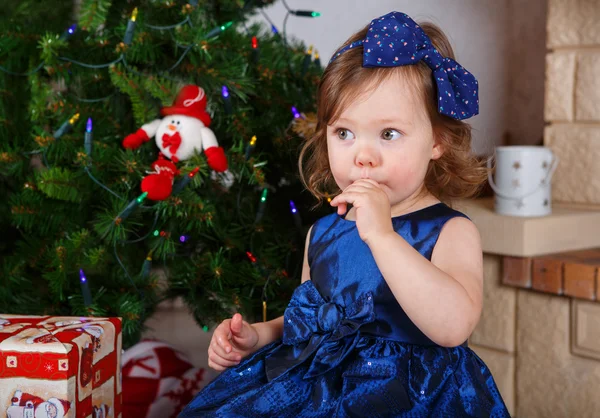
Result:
[{"x": 386, "y": 136}]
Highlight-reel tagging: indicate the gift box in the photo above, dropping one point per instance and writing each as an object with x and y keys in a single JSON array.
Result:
[{"x": 60, "y": 367}]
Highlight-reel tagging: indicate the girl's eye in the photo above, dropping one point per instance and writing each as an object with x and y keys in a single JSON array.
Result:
[
  {"x": 344, "y": 134},
  {"x": 390, "y": 134}
]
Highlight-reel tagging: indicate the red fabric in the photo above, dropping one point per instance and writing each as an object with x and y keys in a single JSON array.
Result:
[
  {"x": 172, "y": 142},
  {"x": 135, "y": 140},
  {"x": 215, "y": 156},
  {"x": 159, "y": 185},
  {"x": 158, "y": 381},
  {"x": 27, "y": 397},
  {"x": 191, "y": 101},
  {"x": 163, "y": 164}
]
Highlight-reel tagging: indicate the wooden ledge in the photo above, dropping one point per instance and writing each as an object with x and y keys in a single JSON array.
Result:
[{"x": 570, "y": 227}]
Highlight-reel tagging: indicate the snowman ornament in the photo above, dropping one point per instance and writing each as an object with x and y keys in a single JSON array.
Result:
[{"x": 183, "y": 130}]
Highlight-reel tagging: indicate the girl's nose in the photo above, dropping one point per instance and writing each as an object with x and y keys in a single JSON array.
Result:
[
  {"x": 367, "y": 156},
  {"x": 172, "y": 127}
]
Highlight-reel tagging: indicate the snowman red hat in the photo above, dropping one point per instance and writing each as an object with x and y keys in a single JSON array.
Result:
[{"x": 191, "y": 101}]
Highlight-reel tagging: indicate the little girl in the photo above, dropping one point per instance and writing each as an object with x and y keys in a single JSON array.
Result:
[{"x": 392, "y": 283}]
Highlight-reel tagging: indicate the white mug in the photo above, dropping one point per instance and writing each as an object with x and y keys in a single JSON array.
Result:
[{"x": 523, "y": 176}]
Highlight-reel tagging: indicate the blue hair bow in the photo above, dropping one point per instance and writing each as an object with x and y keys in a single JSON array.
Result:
[{"x": 395, "y": 39}]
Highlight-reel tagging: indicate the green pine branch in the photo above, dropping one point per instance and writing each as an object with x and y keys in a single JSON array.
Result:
[
  {"x": 65, "y": 206},
  {"x": 93, "y": 14}
]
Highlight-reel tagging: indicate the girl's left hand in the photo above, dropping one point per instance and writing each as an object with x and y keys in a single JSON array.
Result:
[{"x": 373, "y": 212}]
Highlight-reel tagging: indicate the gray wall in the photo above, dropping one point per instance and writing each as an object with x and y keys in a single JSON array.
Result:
[{"x": 502, "y": 42}]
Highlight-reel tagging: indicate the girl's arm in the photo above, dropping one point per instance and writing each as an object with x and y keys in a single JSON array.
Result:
[
  {"x": 442, "y": 297},
  {"x": 273, "y": 330},
  {"x": 268, "y": 332}
]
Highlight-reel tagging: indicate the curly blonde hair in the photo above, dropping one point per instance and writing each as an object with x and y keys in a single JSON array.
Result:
[{"x": 456, "y": 174}]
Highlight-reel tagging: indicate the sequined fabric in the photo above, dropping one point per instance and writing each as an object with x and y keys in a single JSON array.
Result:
[{"x": 348, "y": 348}]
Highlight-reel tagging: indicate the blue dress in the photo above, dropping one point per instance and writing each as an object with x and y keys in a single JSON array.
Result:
[{"x": 348, "y": 348}]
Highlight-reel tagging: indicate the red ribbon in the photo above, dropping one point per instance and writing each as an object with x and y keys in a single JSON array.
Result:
[{"x": 172, "y": 141}]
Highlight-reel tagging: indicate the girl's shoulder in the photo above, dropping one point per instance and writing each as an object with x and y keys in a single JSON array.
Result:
[
  {"x": 445, "y": 211},
  {"x": 438, "y": 212},
  {"x": 323, "y": 224}
]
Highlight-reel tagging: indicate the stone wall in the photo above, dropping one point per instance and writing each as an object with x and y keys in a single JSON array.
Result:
[
  {"x": 572, "y": 100},
  {"x": 543, "y": 350},
  {"x": 494, "y": 339}
]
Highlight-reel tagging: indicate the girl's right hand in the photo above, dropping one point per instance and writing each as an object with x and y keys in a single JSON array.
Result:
[{"x": 232, "y": 340}]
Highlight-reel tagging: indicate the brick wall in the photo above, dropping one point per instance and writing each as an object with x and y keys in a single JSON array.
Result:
[{"x": 572, "y": 98}]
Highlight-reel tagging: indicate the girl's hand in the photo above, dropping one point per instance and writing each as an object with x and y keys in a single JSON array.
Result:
[
  {"x": 373, "y": 212},
  {"x": 232, "y": 340}
]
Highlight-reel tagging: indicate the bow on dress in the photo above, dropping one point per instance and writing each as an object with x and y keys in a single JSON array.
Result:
[
  {"x": 395, "y": 39},
  {"x": 312, "y": 325}
]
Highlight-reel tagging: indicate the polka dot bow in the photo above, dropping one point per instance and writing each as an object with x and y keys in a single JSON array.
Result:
[{"x": 395, "y": 39}]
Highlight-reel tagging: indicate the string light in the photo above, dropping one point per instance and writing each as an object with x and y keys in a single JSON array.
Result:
[
  {"x": 296, "y": 214},
  {"x": 255, "y": 50},
  {"x": 141, "y": 198},
  {"x": 261, "y": 205},
  {"x": 264, "y": 297},
  {"x": 264, "y": 310},
  {"x": 88, "y": 137},
  {"x": 147, "y": 266},
  {"x": 85, "y": 289},
  {"x": 184, "y": 238},
  {"x": 67, "y": 33},
  {"x": 66, "y": 126},
  {"x": 305, "y": 13},
  {"x": 130, "y": 27},
  {"x": 307, "y": 60},
  {"x": 251, "y": 256},
  {"x": 185, "y": 181},
  {"x": 295, "y": 112},
  {"x": 218, "y": 30},
  {"x": 226, "y": 100},
  {"x": 317, "y": 60},
  {"x": 250, "y": 147},
  {"x": 274, "y": 30},
  {"x": 130, "y": 208}
]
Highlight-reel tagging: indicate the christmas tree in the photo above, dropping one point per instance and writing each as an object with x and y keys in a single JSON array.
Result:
[{"x": 79, "y": 236}]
